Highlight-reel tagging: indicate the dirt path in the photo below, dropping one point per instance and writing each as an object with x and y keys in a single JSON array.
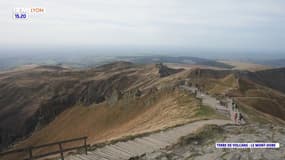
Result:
[{"x": 146, "y": 144}]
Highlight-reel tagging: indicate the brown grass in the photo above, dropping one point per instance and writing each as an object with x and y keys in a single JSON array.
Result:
[
  {"x": 257, "y": 116},
  {"x": 265, "y": 105},
  {"x": 190, "y": 66},
  {"x": 223, "y": 85},
  {"x": 246, "y": 66},
  {"x": 105, "y": 123}
]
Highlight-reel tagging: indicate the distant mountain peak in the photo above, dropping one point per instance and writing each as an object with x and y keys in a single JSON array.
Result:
[{"x": 164, "y": 71}]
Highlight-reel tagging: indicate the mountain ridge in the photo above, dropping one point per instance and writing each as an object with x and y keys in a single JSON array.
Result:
[{"x": 40, "y": 94}]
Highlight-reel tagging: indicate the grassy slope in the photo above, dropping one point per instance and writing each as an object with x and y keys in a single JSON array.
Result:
[
  {"x": 256, "y": 116},
  {"x": 261, "y": 103},
  {"x": 104, "y": 123},
  {"x": 223, "y": 85},
  {"x": 262, "y": 98},
  {"x": 246, "y": 65}
]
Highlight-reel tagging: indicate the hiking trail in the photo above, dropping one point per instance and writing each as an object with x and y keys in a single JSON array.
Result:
[{"x": 132, "y": 148}]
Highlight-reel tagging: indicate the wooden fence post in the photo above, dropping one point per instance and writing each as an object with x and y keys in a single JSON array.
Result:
[
  {"x": 29, "y": 150},
  {"x": 85, "y": 145},
  {"x": 30, "y": 153},
  {"x": 61, "y": 151}
]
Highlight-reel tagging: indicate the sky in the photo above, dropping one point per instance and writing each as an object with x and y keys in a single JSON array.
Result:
[{"x": 215, "y": 26}]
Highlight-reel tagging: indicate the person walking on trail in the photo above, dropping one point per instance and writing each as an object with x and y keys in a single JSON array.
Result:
[
  {"x": 240, "y": 118},
  {"x": 235, "y": 117}
]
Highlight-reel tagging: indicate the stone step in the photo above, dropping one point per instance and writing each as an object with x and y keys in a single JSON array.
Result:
[
  {"x": 121, "y": 153},
  {"x": 128, "y": 147},
  {"x": 160, "y": 143},
  {"x": 123, "y": 150},
  {"x": 139, "y": 146},
  {"x": 103, "y": 155},
  {"x": 86, "y": 157},
  {"x": 148, "y": 146},
  {"x": 111, "y": 154}
]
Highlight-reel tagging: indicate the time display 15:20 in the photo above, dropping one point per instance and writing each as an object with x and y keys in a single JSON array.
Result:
[{"x": 20, "y": 16}]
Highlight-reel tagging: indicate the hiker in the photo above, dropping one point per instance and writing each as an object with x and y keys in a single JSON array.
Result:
[
  {"x": 235, "y": 117},
  {"x": 195, "y": 92},
  {"x": 236, "y": 107},
  {"x": 240, "y": 117}
]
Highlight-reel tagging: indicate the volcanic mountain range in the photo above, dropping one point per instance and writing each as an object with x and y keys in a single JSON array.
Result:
[{"x": 48, "y": 103}]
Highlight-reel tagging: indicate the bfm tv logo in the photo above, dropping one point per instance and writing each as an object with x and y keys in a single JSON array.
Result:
[{"x": 25, "y": 13}]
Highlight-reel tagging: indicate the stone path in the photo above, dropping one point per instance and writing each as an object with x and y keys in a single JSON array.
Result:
[
  {"x": 214, "y": 103},
  {"x": 156, "y": 141},
  {"x": 146, "y": 144}
]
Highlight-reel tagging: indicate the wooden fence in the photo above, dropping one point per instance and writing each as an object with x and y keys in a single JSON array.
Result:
[{"x": 61, "y": 150}]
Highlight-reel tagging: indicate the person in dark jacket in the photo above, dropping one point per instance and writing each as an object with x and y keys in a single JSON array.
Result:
[{"x": 240, "y": 117}]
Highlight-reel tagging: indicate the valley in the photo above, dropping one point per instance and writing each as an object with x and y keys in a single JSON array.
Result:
[{"x": 122, "y": 100}]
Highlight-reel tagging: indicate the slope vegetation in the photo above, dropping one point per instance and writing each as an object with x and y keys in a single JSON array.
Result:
[
  {"x": 122, "y": 99},
  {"x": 32, "y": 98},
  {"x": 273, "y": 78},
  {"x": 129, "y": 117},
  {"x": 260, "y": 93}
]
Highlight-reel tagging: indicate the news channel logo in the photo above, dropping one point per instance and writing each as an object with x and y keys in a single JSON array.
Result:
[{"x": 27, "y": 13}]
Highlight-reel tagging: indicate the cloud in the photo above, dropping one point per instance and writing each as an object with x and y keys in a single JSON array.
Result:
[{"x": 219, "y": 24}]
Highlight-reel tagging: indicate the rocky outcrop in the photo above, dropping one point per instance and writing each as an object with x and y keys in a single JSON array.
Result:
[
  {"x": 31, "y": 99},
  {"x": 114, "y": 97},
  {"x": 201, "y": 146},
  {"x": 165, "y": 71}
]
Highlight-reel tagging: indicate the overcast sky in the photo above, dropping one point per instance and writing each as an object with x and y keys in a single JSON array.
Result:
[{"x": 229, "y": 25}]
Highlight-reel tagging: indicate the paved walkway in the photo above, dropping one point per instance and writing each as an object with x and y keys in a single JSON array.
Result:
[
  {"x": 228, "y": 110},
  {"x": 156, "y": 141},
  {"x": 146, "y": 144}
]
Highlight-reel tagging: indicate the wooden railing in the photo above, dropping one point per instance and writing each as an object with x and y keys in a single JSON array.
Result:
[{"x": 29, "y": 150}]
